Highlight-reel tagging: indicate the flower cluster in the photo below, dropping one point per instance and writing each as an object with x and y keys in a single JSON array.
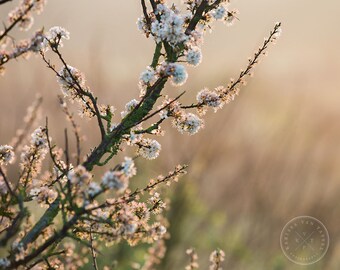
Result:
[
  {"x": 79, "y": 176},
  {"x": 118, "y": 179},
  {"x": 129, "y": 107},
  {"x": 22, "y": 17},
  {"x": 149, "y": 148},
  {"x": 184, "y": 122},
  {"x": 6, "y": 154},
  {"x": 193, "y": 259},
  {"x": 22, "y": 13},
  {"x": 33, "y": 155},
  {"x": 55, "y": 36},
  {"x": 216, "y": 259},
  {"x": 188, "y": 123},
  {"x": 167, "y": 24}
]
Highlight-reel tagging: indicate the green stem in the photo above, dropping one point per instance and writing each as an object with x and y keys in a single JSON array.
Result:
[{"x": 156, "y": 55}]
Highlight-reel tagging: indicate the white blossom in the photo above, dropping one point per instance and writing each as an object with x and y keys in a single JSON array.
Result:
[
  {"x": 129, "y": 107},
  {"x": 188, "y": 123},
  {"x": 220, "y": 13},
  {"x": 56, "y": 34},
  {"x": 68, "y": 78},
  {"x": 79, "y": 175},
  {"x": 148, "y": 75},
  {"x": 209, "y": 98},
  {"x": 6, "y": 154},
  {"x": 128, "y": 167},
  {"x": 114, "y": 180},
  {"x": 149, "y": 148},
  {"x": 177, "y": 73},
  {"x": 194, "y": 56}
]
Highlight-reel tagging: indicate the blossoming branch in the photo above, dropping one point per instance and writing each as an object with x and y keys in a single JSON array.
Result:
[{"x": 79, "y": 205}]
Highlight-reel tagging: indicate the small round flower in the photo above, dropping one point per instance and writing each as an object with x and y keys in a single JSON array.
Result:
[
  {"x": 149, "y": 148},
  {"x": 26, "y": 23},
  {"x": 6, "y": 154},
  {"x": 188, "y": 123},
  {"x": 114, "y": 180},
  {"x": 68, "y": 78},
  {"x": 94, "y": 189},
  {"x": 38, "y": 137},
  {"x": 177, "y": 72},
  {"x": 130, "y": 228},
  {"x": 79, "y": 175},
  {"x": 141, "y": 25},
  {"x": 4, "y": 262},
  {"x": 128, "y": 167},
  {"x": 129, "y": 107},
  {"x": 46, "y": 195},
  {"x": 209, "y": 98},
  {"x": 219, "y": 13},
  {"x": 56, "y": 33},
  {"x": 194, "y": 56},
  {"x": 148, "y": 75}
]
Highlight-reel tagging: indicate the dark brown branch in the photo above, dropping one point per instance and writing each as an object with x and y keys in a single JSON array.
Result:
[
  {"x": 145, "y": 12},
  {"x": 85, "y": 93},
  {"x": 74, "y": 126},
  {"x": 5, "y": 1},
  {"x": 197, "y": 17},
  {"x": 9, "y": 28}
]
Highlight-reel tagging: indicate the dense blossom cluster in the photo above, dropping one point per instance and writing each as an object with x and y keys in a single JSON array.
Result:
[
  {"x": 149, "y": 148},
  {"x": 33, "y": 155},
  {"x": 118, "y": 179},
  {"x": 169, "y": 25},
  {"x": 6, "y": 154}
]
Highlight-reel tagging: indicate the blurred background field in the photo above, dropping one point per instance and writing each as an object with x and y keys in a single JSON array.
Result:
[{"x": 271, "y": 155}]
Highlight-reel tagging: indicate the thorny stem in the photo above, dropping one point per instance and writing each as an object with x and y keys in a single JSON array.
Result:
[
  {"x": 160, "y": 109},
  {"x": 145, "y": 12},
  {"x": 53, "y": 210},
  {"x": 112, "y": 140},
  {"x": 85, "y": 93},
  {"x": 52, "y": 155},
  {"x": 45, "y": 258},
  {"x": 149, "y": 187},
  {"x": 93, "y": 252},
  {"x": 250, "y": 66},
  {"x": 74, "y": 126}
]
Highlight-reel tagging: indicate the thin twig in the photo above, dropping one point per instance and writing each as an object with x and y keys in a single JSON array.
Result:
[
  {"x": 250, "y": 66},
  {"x": 93, "y": 253},
  {"x": 15, "y": 22}
]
